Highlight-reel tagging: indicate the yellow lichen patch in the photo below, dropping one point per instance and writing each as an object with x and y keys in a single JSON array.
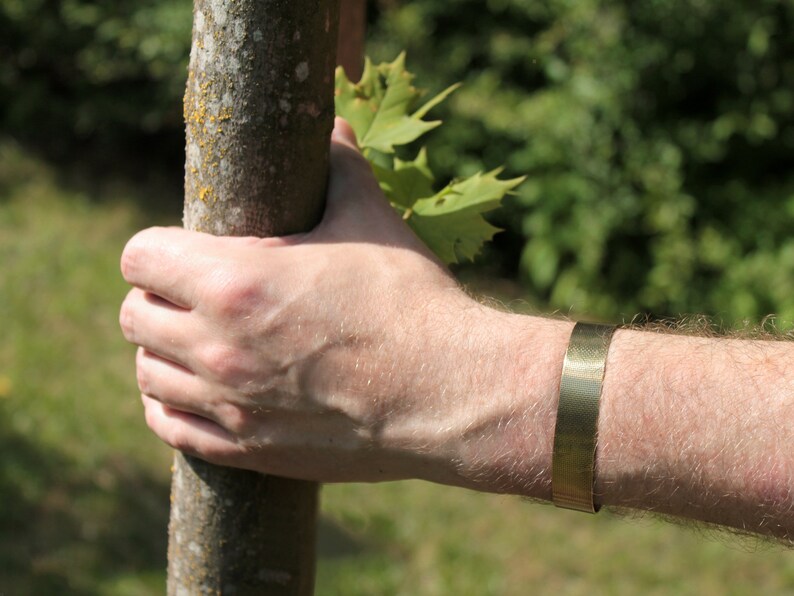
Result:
[
  {"x": 204, "y": 118},
  {"x": 207, "y": 194}
]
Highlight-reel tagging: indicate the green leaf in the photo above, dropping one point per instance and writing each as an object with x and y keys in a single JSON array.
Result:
[
  {"x": 455, "y": 236},
  {"x": 407, "y": 182},
  {"x": 451, "y": 222},
  {"x": 379, "y": 107},
  {"x": 484, "y": 191},
  {"x": 381, "y": 110}
]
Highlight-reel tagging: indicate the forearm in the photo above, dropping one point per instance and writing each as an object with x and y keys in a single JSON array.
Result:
[
  {"x": 699, "y": 428},
  {"x": 692, "y": 427},
  {"x": 689, "y": 426}
]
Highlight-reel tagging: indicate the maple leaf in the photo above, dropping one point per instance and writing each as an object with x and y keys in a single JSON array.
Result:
[
  {"x": 451, "y": 223},
  {"x": 381, "y": 110},
  {"x": 380, "y": 107},
  {"x": 407, "y": 182}
]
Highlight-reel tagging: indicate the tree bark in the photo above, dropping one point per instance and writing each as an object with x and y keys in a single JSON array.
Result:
[
  {"x": 259, "y": 111},
  {"x": 352, "y": 34}
]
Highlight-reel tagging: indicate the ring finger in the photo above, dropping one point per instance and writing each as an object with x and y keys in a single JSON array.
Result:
[{"x": 176, "y": 386}]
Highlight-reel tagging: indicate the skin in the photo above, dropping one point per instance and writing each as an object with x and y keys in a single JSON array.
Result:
[{"x": 351, "y": 354}]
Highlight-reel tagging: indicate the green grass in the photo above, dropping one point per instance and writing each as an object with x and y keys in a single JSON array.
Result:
[{"x": 84, "y": 486}]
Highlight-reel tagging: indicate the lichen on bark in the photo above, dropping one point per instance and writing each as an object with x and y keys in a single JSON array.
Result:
[
  {"x": 258, "y": 115},
  {"x": 259, "y": 95}
]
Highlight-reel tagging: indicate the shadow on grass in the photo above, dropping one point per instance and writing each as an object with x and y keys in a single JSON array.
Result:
[
  {"x": 335, "y": 542},
  {"x": 65, "y": 530}
]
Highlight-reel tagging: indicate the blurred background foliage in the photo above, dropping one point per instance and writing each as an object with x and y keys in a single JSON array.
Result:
[
  {"x": 658, "y": 139},
  {"x": 658, "y": 136},
  {"x": 100, "y": 75}
]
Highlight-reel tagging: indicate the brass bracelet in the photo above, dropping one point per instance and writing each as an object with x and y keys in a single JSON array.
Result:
[{"x": 573, "y": 462}]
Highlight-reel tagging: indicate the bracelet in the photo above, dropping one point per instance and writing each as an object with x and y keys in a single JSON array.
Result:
[{"x": 573, "y": 461}]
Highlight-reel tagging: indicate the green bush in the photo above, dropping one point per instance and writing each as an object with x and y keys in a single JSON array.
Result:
[
  {"x": 80, "y": 69},
  {"x": 658, "y": 137}
]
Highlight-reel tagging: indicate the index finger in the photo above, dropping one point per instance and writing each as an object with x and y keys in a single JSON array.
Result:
[{"x": 166, "y": 262}]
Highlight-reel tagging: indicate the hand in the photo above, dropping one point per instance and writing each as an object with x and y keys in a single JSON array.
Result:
[
  {"x": 350, "y": 354},
  {"x": 338, "y": 355}
]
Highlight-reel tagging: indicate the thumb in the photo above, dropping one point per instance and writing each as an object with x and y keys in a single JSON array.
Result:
[
  {"x": 351, "y": 177},
  {"x": 343, "y": 133},
  {"x": 355, "y": 200}
]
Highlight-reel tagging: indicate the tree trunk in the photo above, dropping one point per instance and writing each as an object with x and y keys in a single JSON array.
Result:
[
  {"x": 352, "y": 34},
  {"x": 259, "y": 111}
]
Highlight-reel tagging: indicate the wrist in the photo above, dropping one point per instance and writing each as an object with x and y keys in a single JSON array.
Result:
[{"x": 511, "y": 405}]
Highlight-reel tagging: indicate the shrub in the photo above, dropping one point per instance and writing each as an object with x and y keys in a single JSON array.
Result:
[
  {"x": 658, "y": 138},
  {"x": 79, "y": 69}
]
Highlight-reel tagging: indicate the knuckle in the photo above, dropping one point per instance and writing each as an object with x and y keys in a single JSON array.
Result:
[
  {"x": 136, "y": 254},
  {"x": 150, "y": 416},
  {"x": 144, "y": 385},
  {"x": 224, "y": 363},
  {"x": 236, "y": 420},
  {"x": 179, "y": 439},
  {"x": 234, "y": 295},
  {"x": 126, "y": 321},
  {"x": 128, "y": 262},
  {"x": 174, "y": 435},
  {"x": 131, "y": 256}
]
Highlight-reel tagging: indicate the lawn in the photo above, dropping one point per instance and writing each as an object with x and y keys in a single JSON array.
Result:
[{"x": 84, "y": 486}]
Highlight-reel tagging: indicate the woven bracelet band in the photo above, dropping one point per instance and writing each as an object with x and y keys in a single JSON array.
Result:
[{"x": 573, "y": 462}]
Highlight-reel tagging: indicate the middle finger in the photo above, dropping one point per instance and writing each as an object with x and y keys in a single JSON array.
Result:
[{"x": 159, "y": 326}]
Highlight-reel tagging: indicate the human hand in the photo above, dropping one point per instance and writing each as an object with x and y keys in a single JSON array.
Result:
[
  {"x": 337, "y": 355},
  {"x": 350, "y": 354}
]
